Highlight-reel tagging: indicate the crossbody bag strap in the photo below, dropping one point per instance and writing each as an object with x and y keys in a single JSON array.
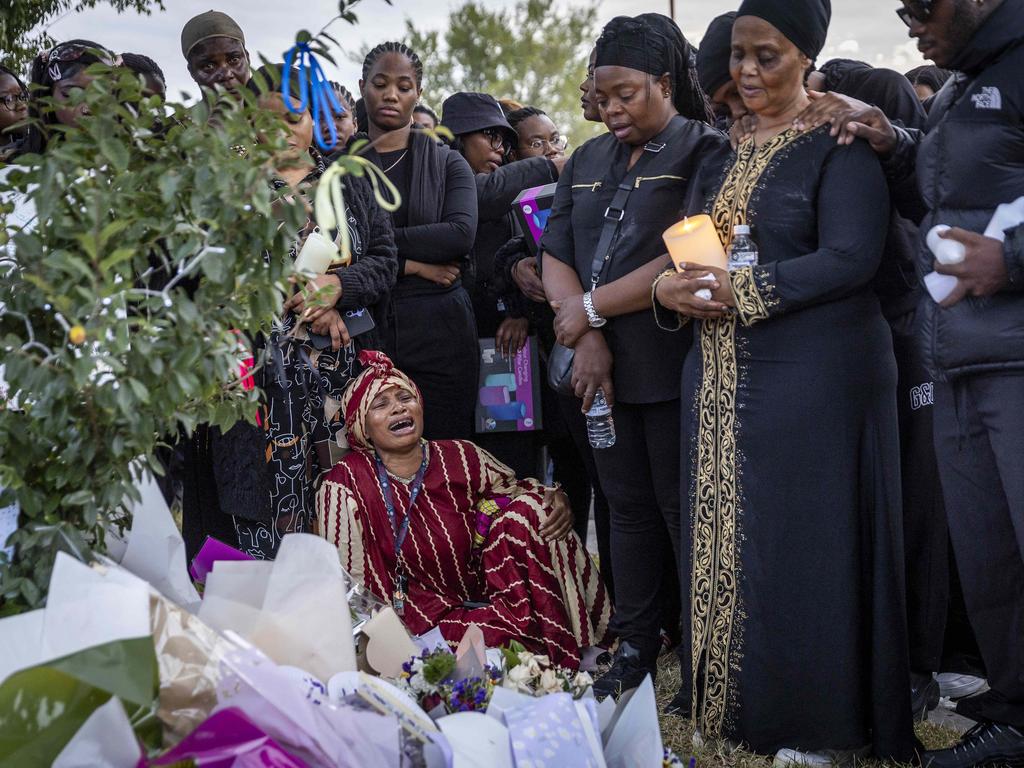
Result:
[{"x": 616, "y": 210}]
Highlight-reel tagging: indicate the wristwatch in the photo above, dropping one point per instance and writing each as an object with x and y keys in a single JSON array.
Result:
[{"x": 595, "y": 320}]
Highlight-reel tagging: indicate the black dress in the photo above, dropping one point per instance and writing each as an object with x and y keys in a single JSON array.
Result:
[{"x": 797, "y": 619}]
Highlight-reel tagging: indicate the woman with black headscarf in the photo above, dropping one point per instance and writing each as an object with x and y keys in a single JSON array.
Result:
[
  {"x": 602, "y": 247},
  {"x": 798, "y": 627}
]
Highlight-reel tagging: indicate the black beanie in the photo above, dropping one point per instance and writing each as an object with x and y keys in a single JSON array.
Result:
[
  {"x": 803, "y": 22},
  {"x": 714, "y": 53},
  {"x": 653, "y": 43}
]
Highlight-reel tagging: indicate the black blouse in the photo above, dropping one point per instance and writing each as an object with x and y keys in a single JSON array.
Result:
[{"x": 647, "y": 359}]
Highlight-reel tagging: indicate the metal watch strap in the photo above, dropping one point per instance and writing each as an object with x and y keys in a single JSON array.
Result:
[{"x": 593, "y": 318}]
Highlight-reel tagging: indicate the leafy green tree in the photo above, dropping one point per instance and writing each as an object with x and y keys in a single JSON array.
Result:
[
  {"x": 124, "y": 310},
  {"x": 20, "y": 19},
  {"x": 534, "y": 52},
  {"x": 127, "y": 306}
]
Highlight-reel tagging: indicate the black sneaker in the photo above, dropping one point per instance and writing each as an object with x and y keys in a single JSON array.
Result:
[
  {"x": 627, "y": 672},
  {"x": 924, "y": 695},
  {"x": 984, "y": 744},
  {"x": 681, "y": 704}
]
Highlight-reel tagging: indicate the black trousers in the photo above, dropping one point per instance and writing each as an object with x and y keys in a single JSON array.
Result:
[
  {"x": 979, "y": 442},
  {"x": 434, "y": 343},
  {"x": 925, "y": 535},
  {"x": 576, "y": 470},
  {"x": 640, "y": 477}
]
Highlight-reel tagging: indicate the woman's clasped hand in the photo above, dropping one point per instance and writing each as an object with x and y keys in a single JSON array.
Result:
[{"x": 678, "y": 292}]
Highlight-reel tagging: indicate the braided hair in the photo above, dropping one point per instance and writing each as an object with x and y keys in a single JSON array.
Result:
[
  {"x": 394, "y": 47},
  {"x": 143, "y": 65},
  {"x": 516, "y": 116},
  {"x": 687, "y": 95},
  {"x": 343, "y": 93}
]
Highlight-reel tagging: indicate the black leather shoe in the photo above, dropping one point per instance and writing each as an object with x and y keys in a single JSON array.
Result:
[
  {"x": 681, "y": 703},
  {"x": 924, "y": 695},
  {"x": 985, "y": 744},
  {"x": 627, "y": 672}
]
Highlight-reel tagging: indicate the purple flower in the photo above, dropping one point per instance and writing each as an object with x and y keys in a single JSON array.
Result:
[{"x": 468, "y": 695}]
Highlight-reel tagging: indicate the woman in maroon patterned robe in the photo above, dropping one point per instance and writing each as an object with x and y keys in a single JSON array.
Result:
[{"x": 531, "y": 579}]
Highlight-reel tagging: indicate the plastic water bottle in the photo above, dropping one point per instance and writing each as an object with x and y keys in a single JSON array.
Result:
[
  {"x": 600, "y": 425},
  {"x": 742, "y": 249}
]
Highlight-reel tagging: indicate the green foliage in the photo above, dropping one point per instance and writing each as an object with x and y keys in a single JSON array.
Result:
[
  {"x": 20, "y": 42},
  {"x": 438, "y": 667},
  {"x": 152, "y": 229},
  {"x": 534, "y": 52}
]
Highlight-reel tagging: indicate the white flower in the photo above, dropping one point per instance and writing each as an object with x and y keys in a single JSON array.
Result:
[
  {"x": 518, "y": 678},
  {"x": 582, "y": 681},
  {"x": 549, "y": 682}
]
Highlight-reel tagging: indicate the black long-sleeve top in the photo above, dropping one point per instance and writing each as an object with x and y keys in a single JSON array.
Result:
[
  {"x": 450, "y": 237},
  {"x": 495, "y": 193}
]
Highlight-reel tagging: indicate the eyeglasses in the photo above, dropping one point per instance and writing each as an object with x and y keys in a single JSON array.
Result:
[
  {"x": 915, "y": 10},
  {"x": 495, "y": 137},
  {"x": 559, "y": 143},
  {"x": 11, "y": 102}
]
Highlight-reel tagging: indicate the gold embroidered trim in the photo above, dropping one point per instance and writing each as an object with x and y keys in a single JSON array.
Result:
[
  {"x": 750, "y": 306},
  {"x": 715, "y": 593}
]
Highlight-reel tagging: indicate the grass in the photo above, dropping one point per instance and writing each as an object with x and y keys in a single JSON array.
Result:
[{"x": 677, "y": 732}]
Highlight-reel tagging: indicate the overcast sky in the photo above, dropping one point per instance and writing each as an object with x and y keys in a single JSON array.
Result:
[{"x": 862, "y": 29}]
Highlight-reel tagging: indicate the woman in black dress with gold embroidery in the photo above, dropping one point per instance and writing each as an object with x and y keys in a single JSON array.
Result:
[{"x": 797, "y": 621}]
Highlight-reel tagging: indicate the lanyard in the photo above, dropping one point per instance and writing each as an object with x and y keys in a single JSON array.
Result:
[{"x": 400, "y": 530}]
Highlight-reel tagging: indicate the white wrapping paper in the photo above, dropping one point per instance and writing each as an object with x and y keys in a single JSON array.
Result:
[
  {"x": 295, "y": 609},
  {"x": 156, "y": 551},
  {"x": 105, "y": 740}
]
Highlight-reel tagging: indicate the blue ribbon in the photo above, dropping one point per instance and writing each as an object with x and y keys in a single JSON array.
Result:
[{"x": 315, "y": 93}]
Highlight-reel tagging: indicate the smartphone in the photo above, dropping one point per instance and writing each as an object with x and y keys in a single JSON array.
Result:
[{"x": 358, "y": 321}]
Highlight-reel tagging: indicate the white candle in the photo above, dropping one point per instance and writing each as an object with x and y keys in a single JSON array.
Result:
[
  {"x": 317, "y": 254},
  {"x": 694, "y": 240}
]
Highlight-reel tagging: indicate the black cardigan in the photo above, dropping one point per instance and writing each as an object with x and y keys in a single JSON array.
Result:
[{"x": 436, "y": 223}]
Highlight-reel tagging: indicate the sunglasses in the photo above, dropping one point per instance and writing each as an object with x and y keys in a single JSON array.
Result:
[{"x": 915, "y": 10}]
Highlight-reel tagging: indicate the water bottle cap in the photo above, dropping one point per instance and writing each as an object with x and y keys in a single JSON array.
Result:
[{"x": 741, "y": 229}]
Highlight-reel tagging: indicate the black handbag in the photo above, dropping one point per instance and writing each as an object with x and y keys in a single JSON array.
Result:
[{"x": 561, "y": 357}]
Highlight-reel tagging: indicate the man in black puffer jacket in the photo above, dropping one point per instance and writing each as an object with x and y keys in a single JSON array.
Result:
[{"x": 970, "y": 161}]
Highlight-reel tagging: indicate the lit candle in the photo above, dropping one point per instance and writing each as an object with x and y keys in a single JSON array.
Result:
[{"x": 694, "y": 240}]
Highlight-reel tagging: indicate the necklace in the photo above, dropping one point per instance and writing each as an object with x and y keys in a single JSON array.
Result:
[
  {"x": 400, "y": 529},
  {"x": 401, "y": 157}
]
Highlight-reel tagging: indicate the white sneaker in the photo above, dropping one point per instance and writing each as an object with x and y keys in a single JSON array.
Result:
[
  {"x": 957, "y": 686},
  {"x": 824, "y": 759}
]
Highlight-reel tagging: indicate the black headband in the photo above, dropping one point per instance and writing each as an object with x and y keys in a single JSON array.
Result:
[{"x": 634, "y": 44}]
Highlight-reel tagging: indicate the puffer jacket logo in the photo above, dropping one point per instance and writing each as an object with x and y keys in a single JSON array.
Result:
[{"x": 988, "y": 98}]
